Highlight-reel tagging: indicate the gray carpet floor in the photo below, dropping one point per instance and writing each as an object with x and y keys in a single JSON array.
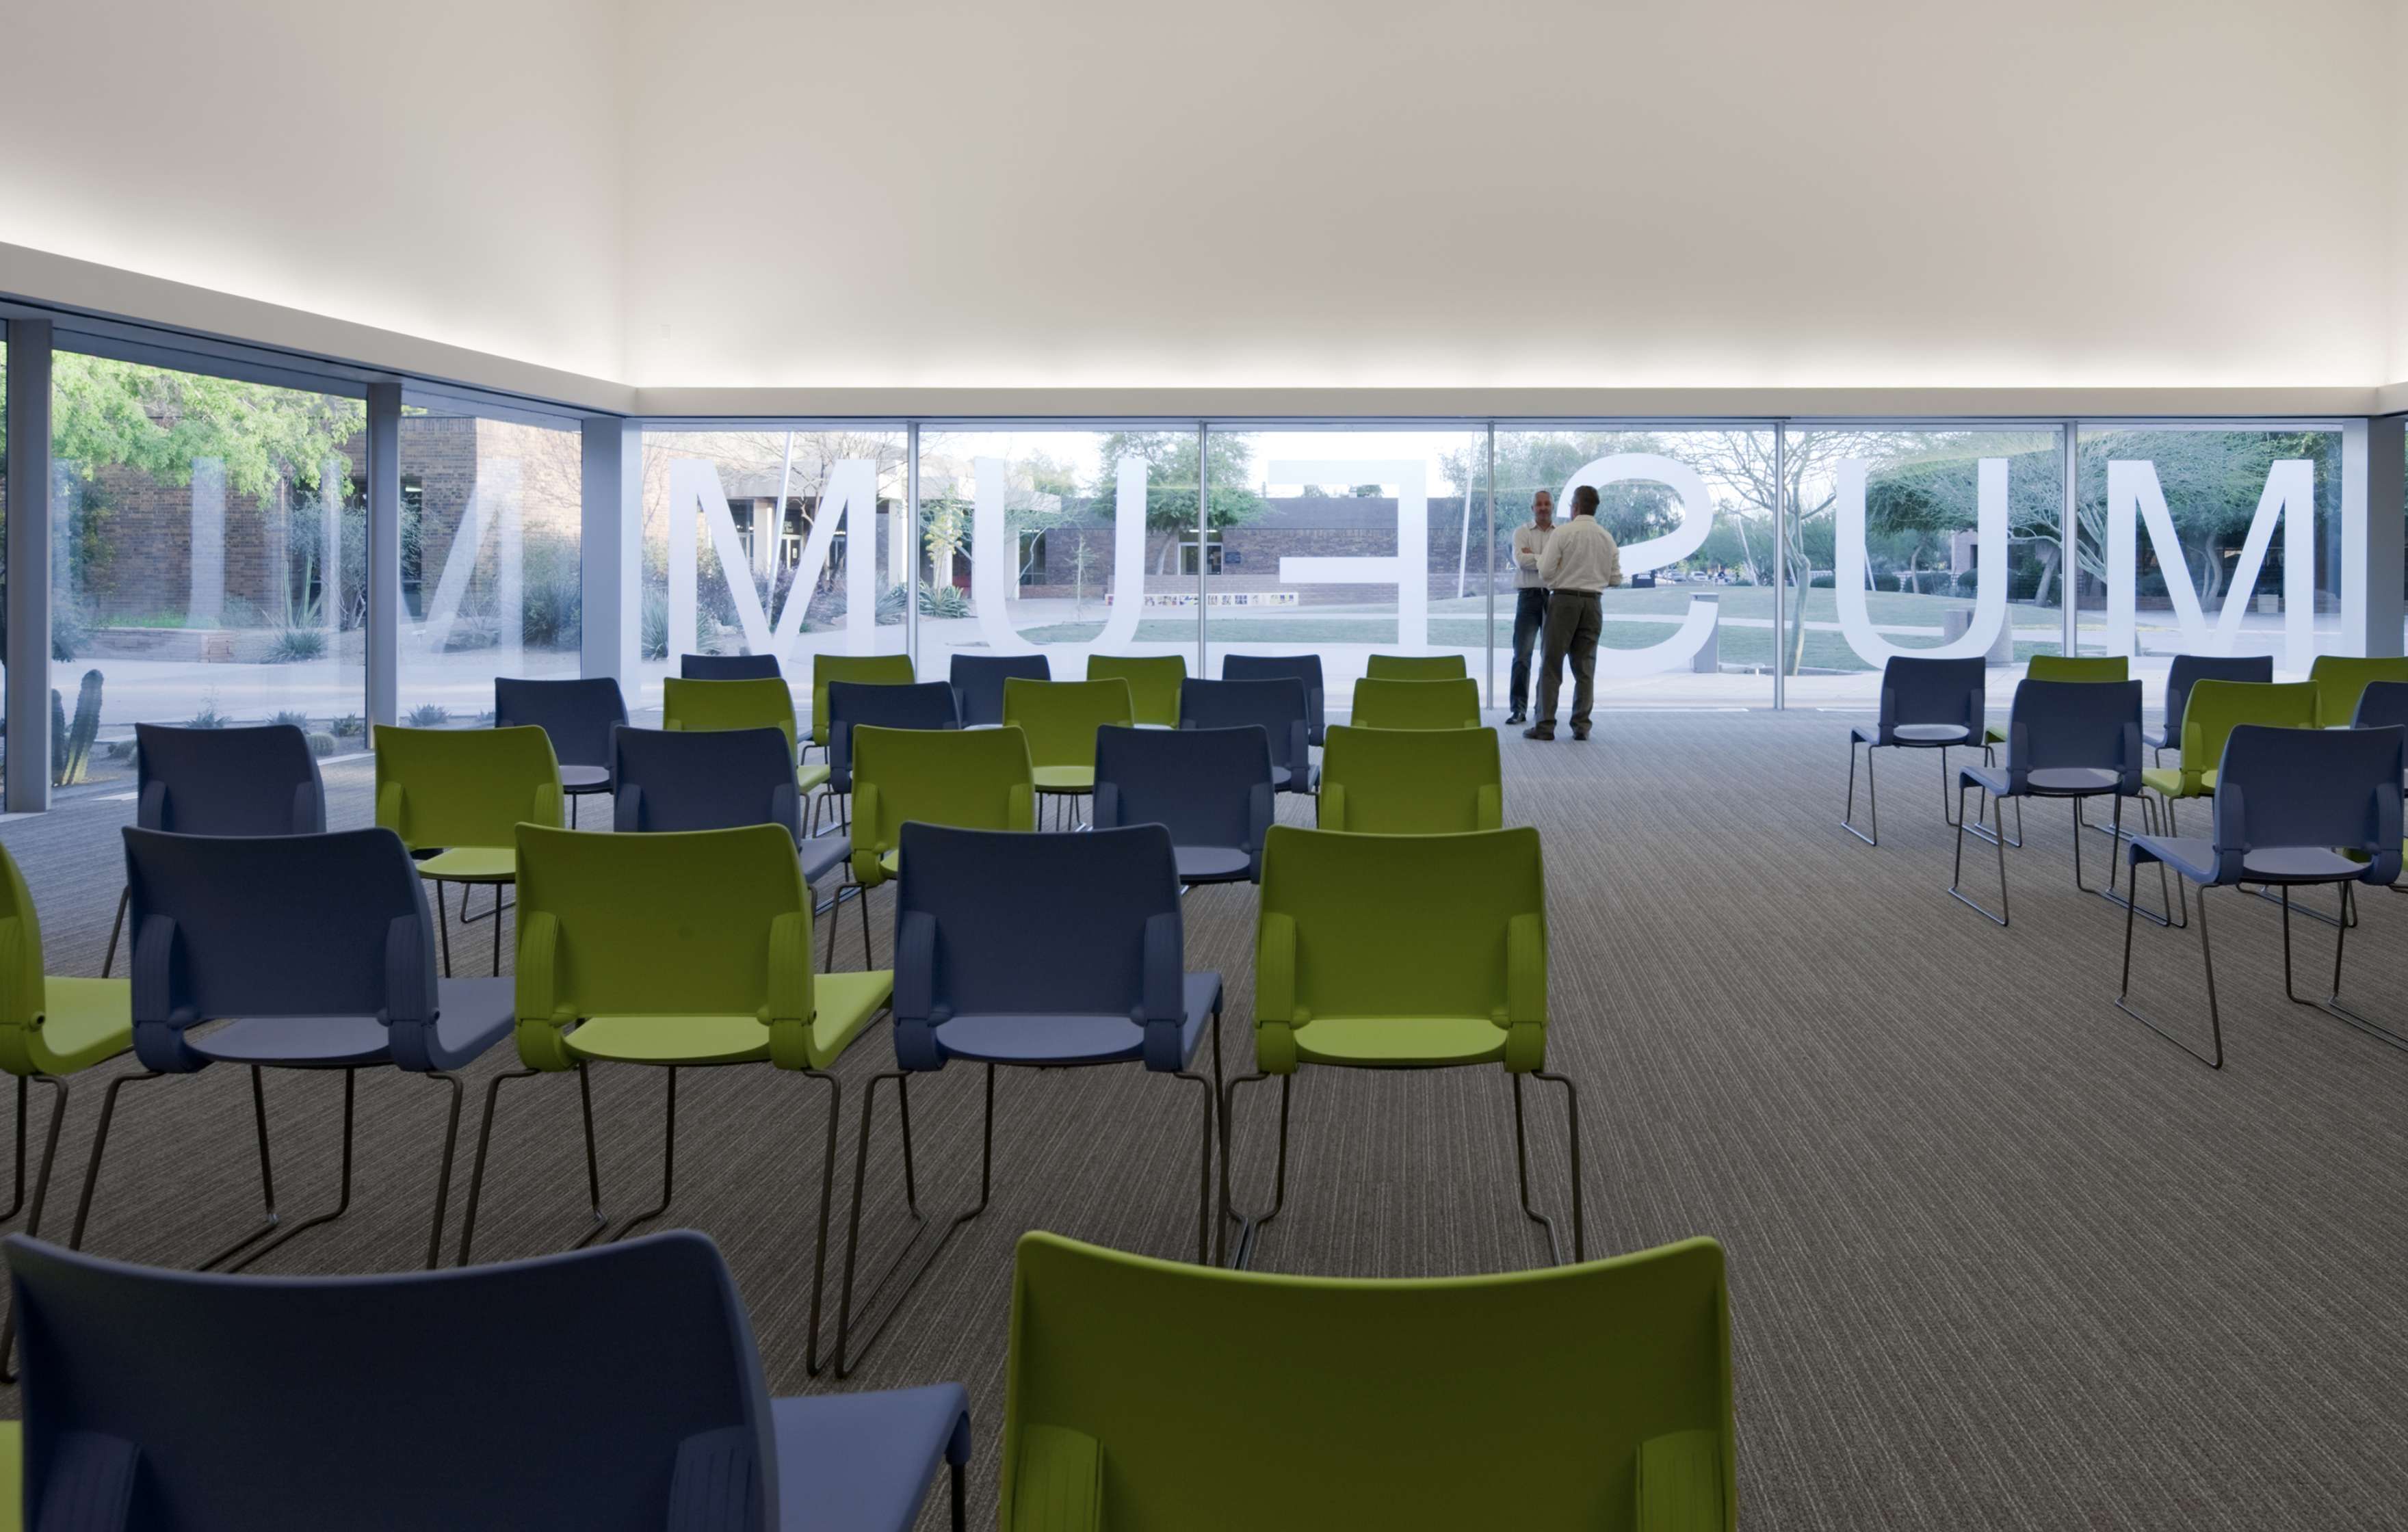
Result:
[{"x": 1998, "y": 1256}]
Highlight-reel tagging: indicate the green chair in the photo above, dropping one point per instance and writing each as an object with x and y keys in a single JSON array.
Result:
[
  {"x": 679, "y": 949},
  {"x": 1412, "y": 782},
  {"x": 1387, "y": 952},
  {"x": 1594, "y": 1397},
  {"x": 1153, "y": 682},
  {"x": 1415, "y": 668},
  {"x": 1060, "y": 719},
  {"x": 462, "y": 794},
  {"x": 761, "y": 703},
  {"x": 1416, "y": 703},
  {"x": 2064, "y": 667},
  {"x": 971, "y": 779},
  {"x": 868, "y": 669},
  {"x": 2341, "y": 679},
  {"x": 2213, "y": 710}
]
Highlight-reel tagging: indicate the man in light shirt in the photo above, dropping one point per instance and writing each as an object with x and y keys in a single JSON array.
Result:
[
  {"x": 1529, "y": 598},
  {"x": 1580, "y": 561}
]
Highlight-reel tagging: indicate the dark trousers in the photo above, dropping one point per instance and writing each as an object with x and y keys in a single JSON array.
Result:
[
  {"x": 1575, "y": 622},
  {"x": 1530, "y": 617}
]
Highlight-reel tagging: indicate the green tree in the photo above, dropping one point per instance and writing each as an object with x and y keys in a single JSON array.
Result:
[{"x": 1170, "y": 480}]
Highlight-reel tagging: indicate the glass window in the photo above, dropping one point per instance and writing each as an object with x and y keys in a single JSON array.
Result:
[
  {"x": 491, "y": 584},
  {"x": 209, "y": 558},
  {"x": 3, "y": 528}
]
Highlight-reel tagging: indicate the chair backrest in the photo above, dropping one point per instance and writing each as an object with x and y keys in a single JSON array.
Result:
[
  {"x": 1060, "y": 717},
  {"x": 1208, "y": 787},
  {"x": 464, "y": 787},
  {"x": 729, "y": 667},
  {"x": 976, "y": 779},
  {"x": 978, "y": 682},
  {"x": 865, "y": 669},
  {"x": 1304, "y": 668},
  {"x": 1084, "y": 923},
  {"x": 699, "y": 706},
  {"x": 2340, "y": 678},
  {"x": 1415, "y": 668},
  {"x": 277, "y": 925},
  {"x": 1925, "y": 692},
  {"x": 703, "y": 922},
  {"x": 2189, "y": 670},
  {"x": 1276, "y": 705},
  {"x": 24, "y": 993},
  {"x": 2381, "y": 705},
  {"x": 227, "y": 782},
  {"x": 922, "y": 704},
  {"x": 1412, "y": 782},
  {"x": 218, "y": 1393},
  {"x": 577, "y": 715},
  {"x": 1324, "y": 1402},
  {"x": 1416, "y": 703},
  {"x": 2215, "y": 708},
  {"x": 670, "y": 780},
  {"x": 2080, "y": 723},
  {"x": 2079, "y": 668},
  {"x": 1154, "y": 682},
  {"x": 2332, "y": 789}
]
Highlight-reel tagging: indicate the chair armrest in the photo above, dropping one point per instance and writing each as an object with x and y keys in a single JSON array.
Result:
[
  {"x": 2384, "y": 866},
  {"x": 1057, "y": 1481},
  {"x": 1312, "y": 712},
  {"x": 309, "y": 807},
  {"x": 409, "y": 994},
  {"x": 1104, "y": 812},
  {"x": 390, "y": 812},
  {"x": 1020, "y": 807},
  {"x": 792, "y": 1004},
  {"x": 159, "y": 1023},
  {"x": 915, "y": 992},
  {"x": 1525, "y": 992},
  {"x": 840, "y": 754},
  {"x": 541, "y": 1034},
  {"x": 20, "y": 1000},
  {"x": 1275, "y": 1011},
  {"x": 1329, "y": 807},
  {"x": 786, "y": 808},
  {"x": 1165, "y": 978},
  {"x": 2194, "y": 745},
  {"x": 866, "y": 870},
  {"x": 1261, "y": 809},
  {"x": 1681, "y": 1485},
  {"x": 2127, "y": 775},
  {"x": 627, "y": 809},
  {"x": 1299, "y": 755},
  {"x": 547, "y": 808},
  {"x": 1489, "y": 812},
  {"x": 150, "y": 813}
]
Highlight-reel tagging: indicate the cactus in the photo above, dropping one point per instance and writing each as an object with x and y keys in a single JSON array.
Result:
[
  {"x": 58, "y": 739},
  {"x": 71, "y": 744},
  {"x": 322, "y": 744}
]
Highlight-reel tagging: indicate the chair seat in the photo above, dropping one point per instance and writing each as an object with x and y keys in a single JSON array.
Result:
[
  {"x": 1400, "y": 1041},
  {"x": 2158, "y": 740},
  {"x": 823, "y": 855},
  {"x": 473, "y": 864},
  {"x": 1065, "y": 778},
  {"x": 585, "y": 778},
  {"x": 1214, "y": 864},
  {"x": 2168, "y": 780},
  {"x": 808, "y": 777},
  {"x": 1994, "y": 735},
  {"x": 863, "y": 1461},
  {"x": 86, "y": 1020},
  {"x": 2300, "y": 864},
  {"x": 848, "y": 1003},
  {"x": 1916, "y": 734},
  {"x": 472, "y": 1015},
  {"x": 2043, "y": 782},
  {"x": 1074, "y": 1039}
]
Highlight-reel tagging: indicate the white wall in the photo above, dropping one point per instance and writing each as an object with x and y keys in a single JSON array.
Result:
[{"x": 445, "y": 168}]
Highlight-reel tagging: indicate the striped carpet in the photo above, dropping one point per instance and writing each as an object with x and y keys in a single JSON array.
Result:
[{"x": 1999, "y": 1258}]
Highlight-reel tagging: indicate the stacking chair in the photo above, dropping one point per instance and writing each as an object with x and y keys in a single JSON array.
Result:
[
  {"x": 1415, "y": 668},
  {"x": 760, "y": 703},
  {"x": 223, "y": 782},
  {"x": 978, "y": 683},
  {"x": 1153, "y": 683},
  {"x": 974, "y": 778},
  {"x": 1398, "y": 782},
  {"x": 719, "y": 779},
  {"x": 728, "y": 668},
  {"x": 456, "y": 797},
  {"x": 1925, "y": 704},
  {"x": 2211, "y": 711},
  {"x": 2382, "y": 704},
  {"x": 1210, "y": 788},
  {"x": 930, "y": 705},
  {"x": 687, "y": 950},
  {"x": 862, "y": 669},
  {"x": 610, "y": 1390},
  {"x": 1304, "y": 668},
  {"x": 1326, "y": 1402},
  {"x": 2186, "y": 671},
  {"x": 2338, "y": 679},
  {"x": 2101, "y": 667},
  {"x": 1060, "y": 719},
  {"x": 1043, "y": 951},
  {"x": 577, "y": 716},
  {"x": 2069, "y": 739},
  {"x": 1278, "y": 707},
  {"x": 318, "y": 954},
  {"x": 2293, "y": 808},
  {"x": 1416, "y": 705},
  {"x": 1379, "y": 951}
]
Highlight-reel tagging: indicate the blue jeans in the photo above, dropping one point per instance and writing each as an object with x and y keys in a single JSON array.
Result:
[{"x": 1529, "y": 619}]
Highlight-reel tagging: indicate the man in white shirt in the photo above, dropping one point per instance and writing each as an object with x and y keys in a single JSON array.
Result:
[
  {"x": 1580, "y": 561},
  {"x": 1529, "y": 598}
]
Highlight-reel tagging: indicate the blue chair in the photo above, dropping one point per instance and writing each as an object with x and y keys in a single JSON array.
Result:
[
  {"x": 978, "y": 683},
  {"x": 2383, "y": 704},
  {"x": 1210, "y": 788},
  {"x": 577, "y": 716},
  {"x": 604, "y": 1390},
  {"x": 1279, "y": 707},
  {"x": 2293, "y": 808},
  {"x": 1304, "y": 668},
  {"x": 923, "y": 705},
  {"x": 317, "y": 953},
  {"x": 716, "y": 780},
  {"x": 223, "y": 782},
  {"x": 2188, "y": 669},
  {"x": 1037, "y": 950},
  {"x": 1925, "y": 704},
  {"x": 2069, "y": 739},
  {"x": 728, "y": 668}
]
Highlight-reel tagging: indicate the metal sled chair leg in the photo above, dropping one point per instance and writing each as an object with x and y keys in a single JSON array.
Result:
[
  {"x": 2213, "y": 1058},
  {"x": 484, "y": 1143},
  {"x": 2332, "y": 1004},
  {"x": 847, "y": 1358}
]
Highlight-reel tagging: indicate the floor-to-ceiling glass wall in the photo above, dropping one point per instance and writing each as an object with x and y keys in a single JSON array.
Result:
[
  {"x": 208, "y": 552},
  {"x": 490, "y": 585},
  {"x": 790, "y": 540},
  {"x": 4, "y": 532},
  {"x": 1346, "y": 541},
  {"x": 1921, "y": 539}
]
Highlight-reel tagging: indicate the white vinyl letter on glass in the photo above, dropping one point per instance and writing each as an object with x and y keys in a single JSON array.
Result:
[
  {"x": 2134, "y": 495},
  {"x": 848, "y": 497},
  {"x": 1407, "y": 568},
  {"x": 1648, "y": 553},
  {"x": 1990, "y": 598},
  {"x": 993, "y": 565}
]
